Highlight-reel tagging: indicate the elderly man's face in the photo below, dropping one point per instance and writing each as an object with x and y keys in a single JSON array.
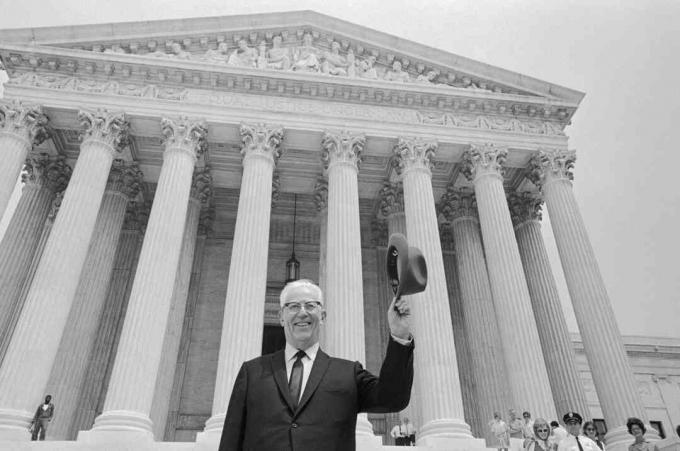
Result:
[{"x": 301, "y": 316}]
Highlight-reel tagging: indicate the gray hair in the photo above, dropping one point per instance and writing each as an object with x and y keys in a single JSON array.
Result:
[{"x": 307, "y": 283}]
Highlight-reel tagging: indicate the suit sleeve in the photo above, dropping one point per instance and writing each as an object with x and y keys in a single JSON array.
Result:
[
  {"x": 391, "y": 392},
  {"x": 234, "y": 427}
]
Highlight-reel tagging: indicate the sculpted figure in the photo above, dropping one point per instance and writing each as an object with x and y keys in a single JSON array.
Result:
[
  {"x": 367, "y": 69},
  {"x": 334, "y": 63},
  {"x": 427, "y": 78},
  {"x": 219, "y": 55},
  {"x": 351, "y": 64},
  {"x": 278, "y": 57},
  {"x": 178, "y": 52},
  {"x": 396, "y": 74},
  {"x": 262, "y": 55},
  {"x": 306, "y": 58},
  {"x": 243, "y": 56}
]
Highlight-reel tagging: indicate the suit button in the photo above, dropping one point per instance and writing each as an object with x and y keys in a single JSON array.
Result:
[{"x": 294, "y": 425}]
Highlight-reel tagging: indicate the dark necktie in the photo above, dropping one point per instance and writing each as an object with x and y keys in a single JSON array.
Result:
[
  {"x": 578, "y": 442},
  {"x": 295, "y": 382}
]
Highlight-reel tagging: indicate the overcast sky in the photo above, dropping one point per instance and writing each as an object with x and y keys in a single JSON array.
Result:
[{"x": 623, "y": 54}]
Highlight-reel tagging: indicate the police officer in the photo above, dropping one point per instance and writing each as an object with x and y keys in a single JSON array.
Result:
[{"x": 575, "y": 441}]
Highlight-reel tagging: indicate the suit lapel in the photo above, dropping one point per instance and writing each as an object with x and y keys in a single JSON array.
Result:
[
  {"x": 319, "y": 368},
  {"x": 278, "y": 361}
]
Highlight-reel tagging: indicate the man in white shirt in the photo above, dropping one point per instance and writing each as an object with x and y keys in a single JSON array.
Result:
[
  {"x": 575, "y": 441},
  {"x": 301, "y": 398},
  {"x": 404, "y": 434},
  {"x": 528, "y": 426},
  {"x": 558, "y": 433}
]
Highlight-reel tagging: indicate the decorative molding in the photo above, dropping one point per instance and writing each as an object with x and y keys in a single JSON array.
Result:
[
  {"x": 485, "y": 120},
  {"x": 414, "y": 154},
  {"x": 343, "y": 147},
  {"x": 261, "y": 140},
  {"x": 186, "y": 134},
  {"x": 24, "y": 121},
  {"x": 551, "y": 164},
  {"x": 321, "y": 194},
  {"x": 202, "y": 185},
  {"x": 458, "y": 203},
  {"x": 111, "y": 129},
  {"x": 390, "y": 199},
  {"x": 125, "y": 178},
  {"x": 481, "y": 160},
  {"x": 51, "y": 172},
  {"x": 524, "y": 207}
]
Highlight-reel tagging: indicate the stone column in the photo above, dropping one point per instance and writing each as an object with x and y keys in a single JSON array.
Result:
[
  {"x": 110, "y": 323},
  {"x": 321, "y": 201},
  {"x": 493, "y": 393},
  {"x": 242, "y": 334},
  {"x": 391, "y": 209},
  {"x": 200, "y": 194},
  {"x": 460, "y": 334},
  {"x": 31, "y": 353},
  {"x": 45, "y": 175},
  {"x": 341, "y": 155},
  {"x": 133, "y": 378},
  {"x": 558, "y": 350},
  {"x": 527, "y": 375},
  {"x": 21, "y": 126},
  {"x": 609, "y": 365},
  {"x": 435, "y": 361},
  {"x": 75, "y": 349}
]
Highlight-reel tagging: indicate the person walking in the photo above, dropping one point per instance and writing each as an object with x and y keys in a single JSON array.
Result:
[{"x": 43, "y": 416}]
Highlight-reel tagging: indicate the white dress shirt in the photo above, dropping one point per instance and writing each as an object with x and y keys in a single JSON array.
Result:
[
  {"x": 307, "y": 363},
  {"x": 569, "y": 444}
]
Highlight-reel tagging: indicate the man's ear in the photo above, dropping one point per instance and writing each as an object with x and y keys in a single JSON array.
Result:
[
  {"x": 281, "y": 317},
  {"x": 323, "y": 316}
]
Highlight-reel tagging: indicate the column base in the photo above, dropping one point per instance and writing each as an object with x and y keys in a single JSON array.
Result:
[
  {"x": 14, "y": 425},
  {"x": 119, "y": 426},
  {"x": 447, "y": 429}
]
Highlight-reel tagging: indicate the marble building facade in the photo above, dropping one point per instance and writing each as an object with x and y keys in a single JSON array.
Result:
[{"x": 162, "y": 162}]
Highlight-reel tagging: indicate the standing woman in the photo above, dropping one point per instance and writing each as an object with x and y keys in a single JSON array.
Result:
[
  {"x": 500, "y": 430},
  {"x": 541, "y": 440},
  {"x": 637, "y": 429},
  {"x": 590, "y": 431}
]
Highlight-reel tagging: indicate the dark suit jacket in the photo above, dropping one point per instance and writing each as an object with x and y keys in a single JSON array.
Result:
[{"x": 261, "y": 417}]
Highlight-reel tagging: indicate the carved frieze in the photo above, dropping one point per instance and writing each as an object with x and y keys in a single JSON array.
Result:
[{"x": 482, "y": 121}]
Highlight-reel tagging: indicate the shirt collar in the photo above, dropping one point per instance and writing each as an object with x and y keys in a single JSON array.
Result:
[{"x": 311, "y": 351}]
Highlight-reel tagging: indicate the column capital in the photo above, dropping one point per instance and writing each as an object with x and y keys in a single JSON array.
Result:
[
  {"x": 47, "y": 171},
  {"x": 482, "y": 160},
  {"x": 458, "y": 203},
  {"x": 109, "y": 128},
  {"x": 125, "y": 178},
  {"x": 551, "y": 164},
  {"x": 136, "y": 216},
  {"x": 524, "y": 207},
  {"x": 390, "y": 199},
  {"x": 202, "y": 185},
  {"x": 343, "y": 147},
  {"x": 206, "y": 219},
  {"x": 414, "y": 154},
  {"x": 321, "y": 193},
  {"x": 25, "y": 121},
  {"x": 183, "y": 133},
  {"x": 261, "y": 140}
]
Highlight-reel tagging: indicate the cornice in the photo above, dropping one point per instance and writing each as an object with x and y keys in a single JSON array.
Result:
[
  {"x": 434, "y": 100},
  {"x": 208, "y": 30}
]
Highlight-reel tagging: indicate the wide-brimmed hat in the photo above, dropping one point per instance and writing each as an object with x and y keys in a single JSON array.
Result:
[{"x": 406, "y": 267}]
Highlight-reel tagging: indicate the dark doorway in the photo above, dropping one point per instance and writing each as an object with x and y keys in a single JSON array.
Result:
[{"x": 273, "y": 339}]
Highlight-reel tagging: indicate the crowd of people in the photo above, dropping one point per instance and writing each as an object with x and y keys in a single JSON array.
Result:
[{"x": 539, "y": 435}]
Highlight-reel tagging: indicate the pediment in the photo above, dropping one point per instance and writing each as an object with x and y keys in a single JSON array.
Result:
[{"x": 298, "y": 41}]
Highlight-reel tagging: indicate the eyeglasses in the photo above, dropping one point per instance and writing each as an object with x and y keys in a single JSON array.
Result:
[
  {"x": 543, "y": 430},
  {"x": 590, "y": 430},
  {"x": 309, "y": 306}
]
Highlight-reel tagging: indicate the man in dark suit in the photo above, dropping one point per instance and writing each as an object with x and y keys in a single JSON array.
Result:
[{"x": 300, "y": 399}]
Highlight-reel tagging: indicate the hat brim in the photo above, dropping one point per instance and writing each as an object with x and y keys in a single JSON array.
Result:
[{"x": 406, "y": 266}]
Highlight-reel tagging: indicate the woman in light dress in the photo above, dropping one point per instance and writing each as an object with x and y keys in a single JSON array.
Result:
[
  {"x": 637, "y": 429},
  {"x": 500, "y": 430},
  {"x": 541, "y": 440}
]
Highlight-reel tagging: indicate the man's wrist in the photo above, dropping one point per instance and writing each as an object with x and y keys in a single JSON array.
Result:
[{"x": 403, "y": 341}]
